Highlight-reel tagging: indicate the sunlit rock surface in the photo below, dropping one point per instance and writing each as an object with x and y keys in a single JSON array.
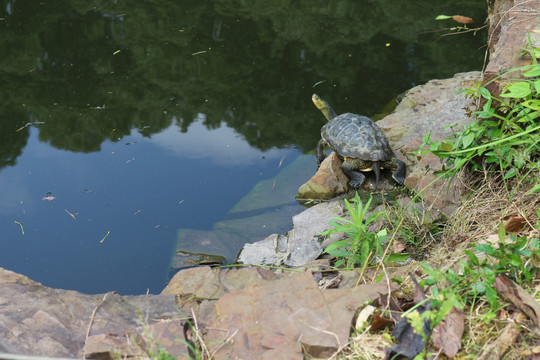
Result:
[
  {"x": 327, "y": 182},
  {"x": 430, "y": 108},
  {"x": 239, "y": 308}
]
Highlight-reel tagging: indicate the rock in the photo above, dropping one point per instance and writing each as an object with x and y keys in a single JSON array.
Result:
[
  {"x": 311, "y": 222},
  {"x": 278, "y": 191},
  {"x": 183, "y": 259},
  {"x": 305, "y": 252},
  {"x": 41, "y": 321},
  {"x": 270, "y": 251},
  {"x": 300, "y": 245},
  {"x": 510, "y": 23},
  {"x": 288, "y": 318},
  {"x": 199, "y": 282},
  {"x": 433, "y": 108},
  {"x": 328, "y": 181}
]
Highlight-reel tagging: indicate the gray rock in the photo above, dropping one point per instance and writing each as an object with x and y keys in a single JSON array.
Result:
[
  {"x": 265, "y": 252},
  {"x": 300, "y": 245},
  {"x": 304, "y": 253}
]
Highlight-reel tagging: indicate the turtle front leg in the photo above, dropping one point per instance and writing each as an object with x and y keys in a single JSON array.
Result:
[
  {"x": 399, "y": 173},
  {"x": 320, "y": 151},
  {"x": 356, "y": 178}
]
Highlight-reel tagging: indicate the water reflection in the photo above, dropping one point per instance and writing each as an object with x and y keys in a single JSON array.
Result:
[
  {"x": 115, "y": 213},
  {"x": 222, "y": 146}
]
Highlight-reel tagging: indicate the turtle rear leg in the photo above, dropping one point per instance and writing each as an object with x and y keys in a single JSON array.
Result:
[{"x": 399, "y": 173}]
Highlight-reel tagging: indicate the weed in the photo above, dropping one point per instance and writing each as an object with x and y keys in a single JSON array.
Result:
[
  {"x": 506, "y": 133},
  {"x": 473, "y": 280},
  {"x": 360, "y": 244},
  {"x": 417, "y": 227}
]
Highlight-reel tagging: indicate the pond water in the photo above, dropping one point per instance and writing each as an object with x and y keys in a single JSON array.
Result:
[{"x": 130, "y": 130}]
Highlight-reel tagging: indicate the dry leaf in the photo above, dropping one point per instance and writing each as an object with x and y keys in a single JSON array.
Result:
[
  {"x": 379, "y": 322},
  {"x": 419, "y": 295},
  {"x": 391, "y": 306},
  {"x": 497, "y": 348},
  {"x": 408, "y": 342},
  {"x": 463, "y": 19},
  {"x": 515, "y": 224},
  {"x": 519, "y": 297},
  {"x": 398, "y": 246},
  {"x": 447, "y": 335}
]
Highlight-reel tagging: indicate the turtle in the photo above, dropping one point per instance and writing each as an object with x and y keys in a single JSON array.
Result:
[{"x": 360, "y": 143}]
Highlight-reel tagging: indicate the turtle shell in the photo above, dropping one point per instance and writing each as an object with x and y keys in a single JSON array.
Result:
[{"x": 355, "y": 136}]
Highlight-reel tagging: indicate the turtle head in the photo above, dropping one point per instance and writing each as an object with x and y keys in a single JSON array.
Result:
[{"x": 325, "y": 108}]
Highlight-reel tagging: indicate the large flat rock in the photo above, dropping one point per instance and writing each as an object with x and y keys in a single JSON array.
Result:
[
  {"x": 248, "y": 313},
  {"x": 433, "y": 107},
  {"x": 41, "y": 321}
]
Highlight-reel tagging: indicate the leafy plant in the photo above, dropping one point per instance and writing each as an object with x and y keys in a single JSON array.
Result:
[
  {"x": 360, "y": 244},
  {"x": 160, "y": 354},
  {"x": 506, "y": 133},
  {"x": 474, "y": 278},
  {"x": 517, "y": 258}
]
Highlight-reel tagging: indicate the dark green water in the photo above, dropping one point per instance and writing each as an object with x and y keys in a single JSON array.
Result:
[{"x": 142, "y": 118}]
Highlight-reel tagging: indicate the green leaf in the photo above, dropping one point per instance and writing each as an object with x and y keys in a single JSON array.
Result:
[
  {"x": 340, "y": 244},
  {"x": 443, "y": 17},
  {"x": 467, "y": 140},
  {"x": 382, "y": 233},
  {"x": 533, "y": 72},
  {"x": 339, "y": 263},
  {"x": 447, "y": 146},
  {"x": 515, "y": 260},
  {"x": 537, "y": 85},
  {"x": 536, "y": 188},
  {"x": 492, "y": 298},
  {"x": 501, "y": 232},
  {"x": 478, "y": 287},
  {"x": 337, "y": 253},
  {"x": 510, "y": 173},
  {"x": 532, "y": 104},
  {"x": 484, "y": 92},
  {"x": 517, "y": 90},
  {"x": 472, "y": 257},
  {"x": 487, "y": 249},
  {"x": 395, "y": 257}
]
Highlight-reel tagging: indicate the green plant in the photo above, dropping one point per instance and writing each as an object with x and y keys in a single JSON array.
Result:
[
  {"x": 474, "y": 279},
  {"x": 506, "y": 133},
  {"x": 517, "y": 258},
  {"x": 160, "y": 354},
  {"x": 360, "y": 245}
]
